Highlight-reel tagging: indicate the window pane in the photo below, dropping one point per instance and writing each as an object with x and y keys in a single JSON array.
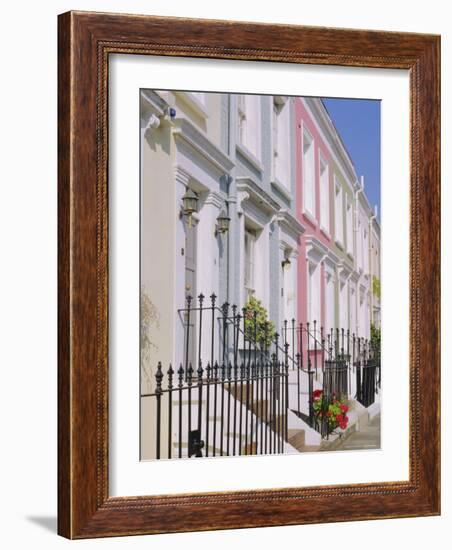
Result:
[{"x": 308, "y": 173}]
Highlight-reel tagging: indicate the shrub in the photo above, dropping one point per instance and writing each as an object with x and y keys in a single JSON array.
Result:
[
  {"x": 376, "y": 287},
  {"x": 264, "y": 331}
]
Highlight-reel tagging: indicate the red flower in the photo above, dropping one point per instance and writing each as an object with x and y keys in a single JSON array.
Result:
[
  {"x": 343, "y": 407},
  {"x": 329, "y": 413},
  {"x": 343, "y": 425},
  {"x": 316, "y": 394},
  {"x": 339, "y": 418}
]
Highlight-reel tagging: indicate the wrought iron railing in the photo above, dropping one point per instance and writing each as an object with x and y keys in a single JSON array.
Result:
[
  {"x": 221, "y": 410},
  {"x": 233, "y": 396}
]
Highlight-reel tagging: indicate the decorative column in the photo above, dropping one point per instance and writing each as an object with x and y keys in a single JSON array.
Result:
[
  {"x": 182, "y": 179},
  {"x": 241, "y": 197},
  {"x": 208, "y": 267}
]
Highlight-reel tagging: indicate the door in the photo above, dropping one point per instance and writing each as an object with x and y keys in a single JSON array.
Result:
[{"x": 190, "y": 289}]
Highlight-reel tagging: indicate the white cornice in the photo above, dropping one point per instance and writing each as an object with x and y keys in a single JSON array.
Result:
[
  {"x": 332, "y": 137},
  {"x": 241, "y": 197},
  {"x": 345, "y": 271},
  {"x": 187, "y": 132},
  {"x": 152, "y": 104},
  {"x": 366, "y": 204},
  {"x": 376, "y": 226},
  {"x": 181, "y": 175},
  {"x": 154, "y": 112},
  {"x": 332, "y": 259},
  {"x": 289, "y": 224},
  {"x": 215, "y": 198},
  {"x": 257, "y": 195},
  {"x": 315, "y": 250}
]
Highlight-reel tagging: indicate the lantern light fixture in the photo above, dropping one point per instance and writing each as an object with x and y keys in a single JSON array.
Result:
[
  {"x": 189, "y": 204},
  {"x": 223, "y": 222},
  {"x": 285, "y": 262}
]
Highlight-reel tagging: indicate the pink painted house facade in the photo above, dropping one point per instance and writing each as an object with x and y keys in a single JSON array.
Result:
[
  {"x": 315, "y": 211},
  {"x": 333, "y": 275}
]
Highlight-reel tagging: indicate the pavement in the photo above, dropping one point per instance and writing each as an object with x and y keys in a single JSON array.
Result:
[{"x": 368, "y": 437}]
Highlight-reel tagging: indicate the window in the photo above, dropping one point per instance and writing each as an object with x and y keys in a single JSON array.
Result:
[
  {"x": 362, "y": 317},
  {"x": 281, "y": 140},
  {"x": 241, "y": 115},
  {"x": 249, "y": 263},
  {"x": 338, "y": 212},
  {"x": 308, "y": 173},
  {"x": 366, "y": 251},
  {"x": 287, "y": 287},
  {"x": 249, "y": 123},
  {"x": 359, "y": 246},
  {"x": 314, "y": 295},
  {"x": 353, "y": 310},
  {"x": 343, "y": 300},
  {"x": 330, "y": 303},
  {"x": 324, "y": 196},
  {"x": 349, "y": 222}
]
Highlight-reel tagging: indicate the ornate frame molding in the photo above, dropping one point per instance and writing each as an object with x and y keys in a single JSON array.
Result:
[{"x": 86, "y": 40}]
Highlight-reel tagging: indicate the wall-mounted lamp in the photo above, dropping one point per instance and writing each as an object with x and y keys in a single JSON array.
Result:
[
  {"x": 285, "y": 262},
  {"x": 189, "y": 204},
  {"x": 223, "y": 222}
]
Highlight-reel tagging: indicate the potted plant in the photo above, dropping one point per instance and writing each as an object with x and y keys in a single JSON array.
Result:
[{"x": 332, "y": 413}]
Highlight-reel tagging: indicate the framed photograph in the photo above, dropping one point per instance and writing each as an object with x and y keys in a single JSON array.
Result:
[{"x": 248, "y": 275}]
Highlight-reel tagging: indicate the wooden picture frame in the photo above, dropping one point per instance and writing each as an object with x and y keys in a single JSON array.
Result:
[{"x": 86, "y": 40}]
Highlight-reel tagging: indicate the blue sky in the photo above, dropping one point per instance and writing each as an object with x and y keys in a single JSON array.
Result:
[{"x": 358, "y": 123}]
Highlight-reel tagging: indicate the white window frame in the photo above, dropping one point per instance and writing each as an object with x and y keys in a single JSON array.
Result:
[
  {"x": 349, "y": 224},
  {"x": 324, "y": 194},
  {"x": 352, "y": 308},
  {"x": 362, "y": 315},
  {"x": 338, "y": 212},
  {"x": 281, "y": 162},
  {"x": 366, "y": 250},
  {"x": 343, "y": 305},
  {"x": 241, "y": 119},
  {"x": 359, "y": 246},
  {"x": 288, "y": 285},
  {"x": 249, "y": 263},
  {"x": 314, "y": 296},
  {"x": 308, "y": 186},
  {"x": 330, "y": 304},
  {"x": 247, "y": 113}
]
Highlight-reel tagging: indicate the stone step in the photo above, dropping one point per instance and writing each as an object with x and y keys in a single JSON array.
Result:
[{"x": 297, "y": 439}]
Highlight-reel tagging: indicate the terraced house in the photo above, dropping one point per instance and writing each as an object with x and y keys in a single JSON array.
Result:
[{"x": 259, "y": 251}]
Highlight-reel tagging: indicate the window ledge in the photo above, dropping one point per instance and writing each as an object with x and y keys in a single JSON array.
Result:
[
  {"x": 310, "y": 217},
  {"x": 281, "y": 188},
  {"x": 325, "y": 232},
  {"x": 250, "y": 157}
]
